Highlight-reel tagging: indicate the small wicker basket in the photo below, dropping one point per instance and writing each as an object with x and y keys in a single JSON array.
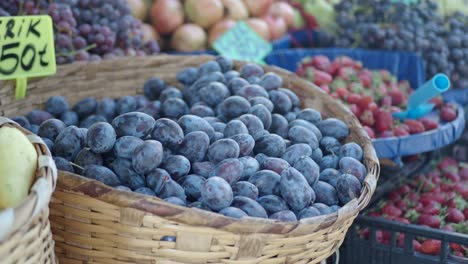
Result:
[
  {"x": 94, "y": 223},
  {"x": 25, "y": 234}
]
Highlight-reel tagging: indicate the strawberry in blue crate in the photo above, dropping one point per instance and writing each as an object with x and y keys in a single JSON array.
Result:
[{"x": 372, "y": 95}]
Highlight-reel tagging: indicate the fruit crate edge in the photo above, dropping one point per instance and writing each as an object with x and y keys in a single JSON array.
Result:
[{"x": 359, "y": 250}]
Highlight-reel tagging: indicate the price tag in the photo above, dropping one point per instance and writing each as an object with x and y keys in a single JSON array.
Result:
[
  {"x": 242, "y": 43},
  {"x": 26, "y": 49}
]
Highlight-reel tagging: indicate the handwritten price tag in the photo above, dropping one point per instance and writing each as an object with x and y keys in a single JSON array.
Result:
[
  {"x": 26, "y": 49},
  {"x": 242, "y": 43}
]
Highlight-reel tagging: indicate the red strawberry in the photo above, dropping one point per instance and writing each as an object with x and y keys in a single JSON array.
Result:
[
  {"x": 419, "y": 207},
  {"x": 347, "y": 73},
  {"x": 386, "y": 101},
  {"x": 400, "y": 131},
  {"x": 404, "y": 189},
  {"x": 450, "y": 203},
  {"x": 394, "y": 196},
  {"x": 365, "y": 233},
  {"x": 386, "y": 134},
  {"x": 415, "y": 126},
  {"x": 434, "y": 174},
  {"x": 318, "y": 77},
  {"x": 373, "y": 106},
  {"x": 367, "y": 118},
  {"x": 355, "y": 110},
  {"x": 463, "y": 173},
  {"x": 429, "y": 220},
  {"x": 447, "y": 163},
  {"x": 365, "y": 101},
  {"x": 432, "y": 209},
  {"x": 448, "y": 113},
  {"x": 429, "y": 124},
  {"x": 437, "y": 101},
  {"x": 465, "y": 213},
  {"x": 447, "y": 187},
  {"x": 342, "y": 92},
  {"x": 325, "y": 88},
  {"x": 456, "y": 247},
  {"x": 353, "y": 98},
  {"x": 391, "y": 210},
  {"x": 398, "y": 97},
  {"x": 431, "y": 247},
  {"x": 384, "y": 120},
  {"x": 452, "y": 176},
  {"x": 401, "y": 204},
  {"x": 369, "y": 131},
  {"x": 386, "y": 76},
  {"x": 461, "y": 189},
  {"x": 454, "y": 215},
  {"x": 379, "y": 237},
  {"x": 365, "y": 76},
  {"x": 321, "y": 62},
  {"x": 417, "y": 246},
  {"x": 344, "y": 61}
]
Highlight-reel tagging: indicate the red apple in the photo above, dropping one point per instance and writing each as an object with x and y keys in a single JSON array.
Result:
[
  {"x": 276, "y": 25},
  {"x": 284, "y": 10},
  {"x": 259, "y": 26},
  {"x": 235, "y": 9},
  {"x": 258, "y": 8},
  {"x": 219, "y": 28},
  {"x": 167, "y": 15},
  {"x": 204, "y": 13},
  {"x": 188, "y": 37},
  {"x": 139, "y": 8}
]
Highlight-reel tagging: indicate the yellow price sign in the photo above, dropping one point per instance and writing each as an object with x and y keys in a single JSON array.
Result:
[{"x": 26, "y": 49}]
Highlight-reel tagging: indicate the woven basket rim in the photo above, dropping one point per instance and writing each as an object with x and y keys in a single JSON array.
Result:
[
  {"x": 41, "y": 188},
  {"x": 148, "y": 204}
]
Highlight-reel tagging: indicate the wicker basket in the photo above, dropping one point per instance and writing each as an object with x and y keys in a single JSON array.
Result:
[
  {"x": 25, "y": 234},
  {"x": 93, "y": 223}
]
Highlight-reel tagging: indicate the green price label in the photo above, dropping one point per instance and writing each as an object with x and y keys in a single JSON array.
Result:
[
  {"x": 26, "y": 49},
  {"x": 242, "y": 43}
]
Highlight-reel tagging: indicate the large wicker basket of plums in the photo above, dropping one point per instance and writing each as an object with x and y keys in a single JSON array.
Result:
[{"x": 259, "y": 186}]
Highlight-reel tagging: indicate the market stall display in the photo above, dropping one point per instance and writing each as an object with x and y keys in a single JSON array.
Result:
[
  {"x": 73, "y": 187},
  {"x": 321, "y": 131}
]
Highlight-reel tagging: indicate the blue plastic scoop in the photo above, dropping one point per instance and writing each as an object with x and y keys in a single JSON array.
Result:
[{"x": 417, "y": 102}]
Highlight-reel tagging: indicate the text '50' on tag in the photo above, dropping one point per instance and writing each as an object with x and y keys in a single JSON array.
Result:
[
  {"x": 26, "y": 49},
  {"x": 242, "y": 43}
]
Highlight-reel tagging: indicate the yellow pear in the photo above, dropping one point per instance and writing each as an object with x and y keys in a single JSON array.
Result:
[{"x": 18, "y": 163}]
